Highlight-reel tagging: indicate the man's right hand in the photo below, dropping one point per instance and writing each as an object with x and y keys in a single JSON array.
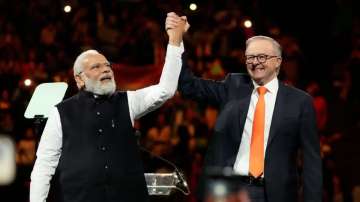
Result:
[{"x": 175, "y": 27}]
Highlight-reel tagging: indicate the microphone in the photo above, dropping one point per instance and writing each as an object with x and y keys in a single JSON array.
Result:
[{"x": 181, "y": 182}]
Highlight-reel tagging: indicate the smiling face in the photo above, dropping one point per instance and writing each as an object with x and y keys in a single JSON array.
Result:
[
  {"x": 263, "y": 61},
  {"x": 96, "y": 75}
]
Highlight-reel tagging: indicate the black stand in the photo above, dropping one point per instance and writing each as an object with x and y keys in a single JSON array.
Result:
[{"x": 39, "y": 124}]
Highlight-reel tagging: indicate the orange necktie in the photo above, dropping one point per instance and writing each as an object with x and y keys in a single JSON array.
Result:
[{"x": 257, "y": 138}]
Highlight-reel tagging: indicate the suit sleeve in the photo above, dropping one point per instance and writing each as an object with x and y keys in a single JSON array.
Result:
[
  {"x": 312, "y": 170},
  {"x": 214, "y": 92}
]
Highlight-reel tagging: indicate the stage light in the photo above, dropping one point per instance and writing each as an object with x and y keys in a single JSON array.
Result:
[
  {"x": 220, "y": 189},
  {"x": 7, "y": 160},
  {"x": 247, "y": 23},
  {"x": 67, "y": 9},
  {"x": 27, "y": 82},
  {"x": 193, "y": 6}
]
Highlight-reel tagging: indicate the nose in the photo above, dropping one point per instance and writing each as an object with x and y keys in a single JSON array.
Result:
[
  {"x": 106, "y": 68},
  {"x": 255, "y": 61}
]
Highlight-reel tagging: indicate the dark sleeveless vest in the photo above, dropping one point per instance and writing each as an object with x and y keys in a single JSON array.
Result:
[{"x": 100, "y": 160}]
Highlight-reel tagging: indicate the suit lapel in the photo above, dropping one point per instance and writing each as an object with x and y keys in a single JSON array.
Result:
[
  {"x": 278, "y": 113},
  {"x": 242, "y": 107}
]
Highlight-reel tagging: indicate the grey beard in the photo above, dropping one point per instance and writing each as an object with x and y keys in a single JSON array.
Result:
[{"x": 98, "y": 88}]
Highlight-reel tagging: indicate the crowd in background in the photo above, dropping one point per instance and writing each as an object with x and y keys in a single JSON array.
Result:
[{"x": 39, "y": 41}]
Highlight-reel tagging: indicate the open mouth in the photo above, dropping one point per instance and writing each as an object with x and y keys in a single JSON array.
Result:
[
  {"x": 105, "y": 78},
  {"x": 258, "y": 69}
]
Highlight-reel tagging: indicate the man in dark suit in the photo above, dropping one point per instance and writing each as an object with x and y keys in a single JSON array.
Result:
[{"x": 261, "y": 127}]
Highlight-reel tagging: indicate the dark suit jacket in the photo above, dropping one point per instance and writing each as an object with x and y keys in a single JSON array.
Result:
[{"x": 293, "y": 127}]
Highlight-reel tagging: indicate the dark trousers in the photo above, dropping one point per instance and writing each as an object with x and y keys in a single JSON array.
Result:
[{"x": 252, "y": 193}]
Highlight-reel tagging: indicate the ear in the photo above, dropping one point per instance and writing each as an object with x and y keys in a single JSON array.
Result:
[
  {"x": 278, "y": 61},
  {"x": 79, "y": 82},
  {"x": 278, "y": 64}
]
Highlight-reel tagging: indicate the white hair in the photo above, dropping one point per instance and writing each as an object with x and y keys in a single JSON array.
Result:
[
  {"x": 93, "y": 86},
  {"x": 78, "y": 64},
  {"x": 275, "y": 44},
  {"x": 98, "y": 88}
]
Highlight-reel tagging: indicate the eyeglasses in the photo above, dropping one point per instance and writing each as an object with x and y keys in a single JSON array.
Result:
[{"x": 261, "y": 58}]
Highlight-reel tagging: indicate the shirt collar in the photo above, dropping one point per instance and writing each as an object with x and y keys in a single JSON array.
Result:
[
  {"x": 95, "y": 96},
  {"x": 272, "y": 86}
]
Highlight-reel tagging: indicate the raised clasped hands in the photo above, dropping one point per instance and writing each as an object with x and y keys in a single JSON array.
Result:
[{"x": 175, "y": 27}]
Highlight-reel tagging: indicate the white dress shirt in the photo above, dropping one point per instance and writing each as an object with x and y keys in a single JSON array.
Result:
[
  {"x": 241, "y": 165},
  {"x": 140, "y": 102}
]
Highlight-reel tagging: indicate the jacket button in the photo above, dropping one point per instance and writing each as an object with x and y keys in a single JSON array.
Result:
[
  {"x": 98, "y": 113},
  {"x": 103, "y": 148},
  {"x": 100, "y": 130}
]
